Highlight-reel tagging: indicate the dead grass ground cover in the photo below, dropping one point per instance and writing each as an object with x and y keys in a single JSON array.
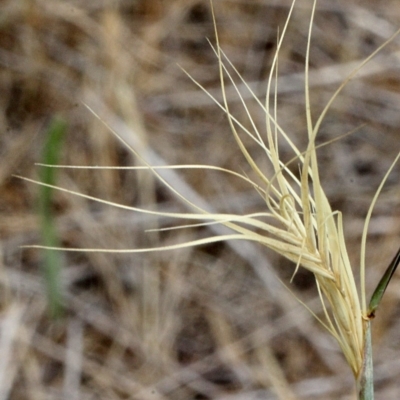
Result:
[{"x": 203, "y": 323}]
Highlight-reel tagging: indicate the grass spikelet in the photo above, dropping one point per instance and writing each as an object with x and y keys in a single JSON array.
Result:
[
  {"x": 298, "y": 221},
  {"x": 311, "y": 234}
]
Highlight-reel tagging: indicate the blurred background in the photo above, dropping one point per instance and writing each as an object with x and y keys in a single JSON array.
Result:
[{"x": 215, "y": 321}]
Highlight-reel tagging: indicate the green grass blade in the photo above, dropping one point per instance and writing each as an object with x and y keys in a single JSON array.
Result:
[
  {"x": 52, "y": 261},
  {"x": 382, "y": 285}
]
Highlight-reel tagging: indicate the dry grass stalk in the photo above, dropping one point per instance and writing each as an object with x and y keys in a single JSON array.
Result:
[{"x": 298, "y": 223}]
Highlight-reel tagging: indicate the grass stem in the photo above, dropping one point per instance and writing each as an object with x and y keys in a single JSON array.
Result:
[{"x": 365, "y": 382}]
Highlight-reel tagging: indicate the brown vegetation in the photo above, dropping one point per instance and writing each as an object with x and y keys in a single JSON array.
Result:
[{"x": 212, "y": 322}]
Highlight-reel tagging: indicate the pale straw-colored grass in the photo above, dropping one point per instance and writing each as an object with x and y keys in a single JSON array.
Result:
[{"x": 297, "y": 222}]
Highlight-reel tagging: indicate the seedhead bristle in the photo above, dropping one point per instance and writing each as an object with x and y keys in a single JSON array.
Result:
[
  {"x": 309, "y": 233},
  {"x": 298, "y": 221}
]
